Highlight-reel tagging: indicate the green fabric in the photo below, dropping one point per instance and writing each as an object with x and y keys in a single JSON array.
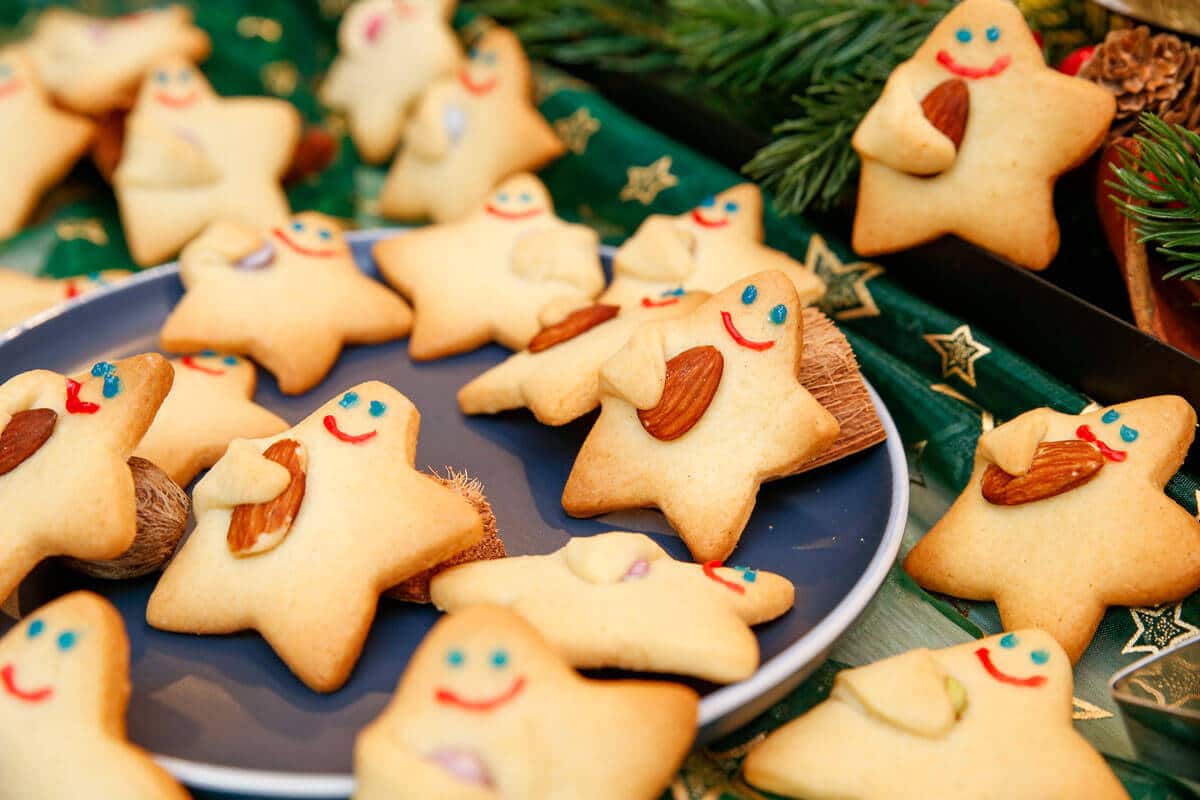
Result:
[{"x": 941, "y": 399}]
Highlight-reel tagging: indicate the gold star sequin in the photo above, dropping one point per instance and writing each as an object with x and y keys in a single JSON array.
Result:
[
  {"x": 846, "y": 292},
  {"x": 645, "y": 183},
  {"x": 1083, "y": 710},
  {"x": 1177, "y": 684},
  {"x": 90, "y": 229},
  {"x": 264, "y": 28},
  {"x": 959, "y": 352},
  {"x": 280, "y": 77},
  {"x": 576, "y": 130},
  {"x": 1158, "y": 628}
]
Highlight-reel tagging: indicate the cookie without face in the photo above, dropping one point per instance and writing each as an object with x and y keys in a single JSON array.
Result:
[
  {"x": 487, "y": 710},
  {"x": 41, "y": 142},
  {"x": 487, "y": 276},
  {"x": 716, "y": 243},
  {"x": 697, "y": 412},
  {"x": 618, "y": 600},
  {"x": 985, "y": 719},
  {"x": 210, "y": 404},
  {"x": 1077, "y": 543},
  {"x": 467, "y": 134},
  {"x": 63, "y": 447},
  {"x": 297, "y": 535},
  {"x": 192, "y": 157},
  {"x": 95, "y": 64},
  {"x": 289, "y": 296},
  {"x": 64, "y": 689},
  {"x": 390, "y": 51},
  {"x": 23, "y": 295},
  {"x": 1025, "y": 124}
]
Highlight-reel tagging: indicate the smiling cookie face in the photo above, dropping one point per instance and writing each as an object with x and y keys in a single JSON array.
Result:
[
  {"x": 312, "y": 235},
  {"x": 981, "y": 39},
  {"x": 1141, "y": 436},
  {"x": 760, "y": 314},
  {"x": 521, "y": 197},
  {"x": 233, "y": 370},
  {"x": 1021, "y": 660},
  {"x": 737, "y": 211},
  {"x": 380, "y": 23},
  {"x": 366, "y": 414},
  {"x": 175, "y": 84},
  {"x": 496, "y": 65}
]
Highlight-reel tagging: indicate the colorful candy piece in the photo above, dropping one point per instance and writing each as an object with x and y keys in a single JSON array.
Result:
[
  {"x": 486, "y": 709},
  {"x": 957, "y": 722},
  {"x": 1083, "y": 537},
  {"x": 359, "y": 520}
]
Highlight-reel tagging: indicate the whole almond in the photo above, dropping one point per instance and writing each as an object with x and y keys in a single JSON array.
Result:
[
  {"x": 1057, "y": 467},
  {"x": 256, "y": 528},
  {"x": 24, "y": 435},
  {"x": 947, "y": 108},
  {"x": 577, "y": 322},
  {"x": 692, "y": 379}
]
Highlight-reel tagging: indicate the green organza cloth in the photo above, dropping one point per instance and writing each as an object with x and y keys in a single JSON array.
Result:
[{"x": 944, "y": 379}]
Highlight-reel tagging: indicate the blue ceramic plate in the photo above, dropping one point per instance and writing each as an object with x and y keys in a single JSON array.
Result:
[{"x": 223, "y": 713}]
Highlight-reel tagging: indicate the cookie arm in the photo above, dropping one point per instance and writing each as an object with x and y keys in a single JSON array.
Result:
[
  {"x": 221, "y": 245},
  {"x": 20, "y": 393},
  {"x": 427, "y": 135},
  {"x": 660, "y": 250},
  {"x": 1012, "y": 445},
  {"x": 242, "y": 475},
  {"x": 569, "y": 254},
  {"x": 639, "y": 369},
  {"x": 895, "y": 131}
]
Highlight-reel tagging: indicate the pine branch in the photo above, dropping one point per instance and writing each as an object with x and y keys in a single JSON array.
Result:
[{"x": 1162, "y": 183}]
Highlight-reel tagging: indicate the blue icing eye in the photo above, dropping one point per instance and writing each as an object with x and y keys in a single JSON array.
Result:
[
  {"x": 779, "y": 314},
  {"x": 708, "y": 202},
  {"x": 112, "y": 386},
  {"x": 963, "y": 35},
  {"x": 731, "y": 207},
  {"x": 749, "y": 574},
  {"x": 1129, "y": 434},
  {"x": 377, "y": 409},
  {"x": 184, "y": 75},
  {"x": 1040, "y": 657},
  {"x": 1110, "y": 416},
  {"x": 325, "y": 235},
  {"x": 489, "y": 59},
  {"x": 102, "y": 368},
  {"x": 297, "y": 226},
  {"x": 5, "y": 71},
  {"x": 208, "y": 353},
  {"x": 35, "y": 628},
  {"x": 749, "y": 294},
  {"x": 456, "y": 658},
  {"x": 66, "y": 640},
  {"x": 526, "y": 197},
  {"x": 676, "y": 292},
  {"x": 1009, "y": 640},
  {"x": 230, "y": 361},
  {"x": 499, "y": 658},
  {"x": 993, "y": 34},
  {"x": 348, "y": 399},
  {"x": 95, "y": 277},
  {"x": 502, "y": 197},
  {"x": 161, "y": 76}
]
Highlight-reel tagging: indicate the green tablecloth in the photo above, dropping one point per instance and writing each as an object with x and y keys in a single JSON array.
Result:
[{"x": 944, "y": 379}]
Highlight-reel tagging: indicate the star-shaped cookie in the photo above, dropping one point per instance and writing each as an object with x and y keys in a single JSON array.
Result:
[
  {"x": 618, "y": 600},
  {"x": 191, "y": 157},
  {"x": 23, "y": 295},
  {"x": 288, "y": 296},
  {"x": 969, "y": 137},
  {"x": 210, "y": 404},
  {"x": 1065, "y": 515},
  {"x": 64, "y": 688},
  {"x": 982, "y": 720},
  {"x": 486, "y": 277},
  {"x": 297, "y": 535},
  {"x": 697, "y": 412},
  {"x": 41, "y": 142},
  {"x": 716, "y": 243},
  {"x": 487, "y": 710},
  {"x": 390, "y": 52},
  {"x": 63, "y": 447},
  {"x": 467, "y": 134},
  {"x": 95, "y": 64}
]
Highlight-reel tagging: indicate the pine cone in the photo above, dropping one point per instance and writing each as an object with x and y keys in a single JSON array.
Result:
[{"x": 1158, "y": 73}]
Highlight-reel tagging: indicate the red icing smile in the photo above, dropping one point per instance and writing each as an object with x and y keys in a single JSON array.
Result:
[
  {"x": 12, "y": 86},
  {"x": 301, "y": 249},
  {"x": 72, "y": 290},
  {"x": 448, "y": 697},
  {"x": 974, "y": 73},
  {"x": 1085, "y": 433},
  {"x": 10, "y": 686},
  {"x": 648, "y": 303},
  {"x": 708, "y": 223},
  {"x": 736, "y": 335},
  {"x": 985, "y": 658},
  {"x": 710, "y": 572},
  {"x": 502, "y": 214},
  {"x": 477, "y": 89},
  {"x": 170, "y": 101},
  {"x": 332, "y": 426},
  {"x": 190, "y": 363},
  {"x": 74, "y": 404}
]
